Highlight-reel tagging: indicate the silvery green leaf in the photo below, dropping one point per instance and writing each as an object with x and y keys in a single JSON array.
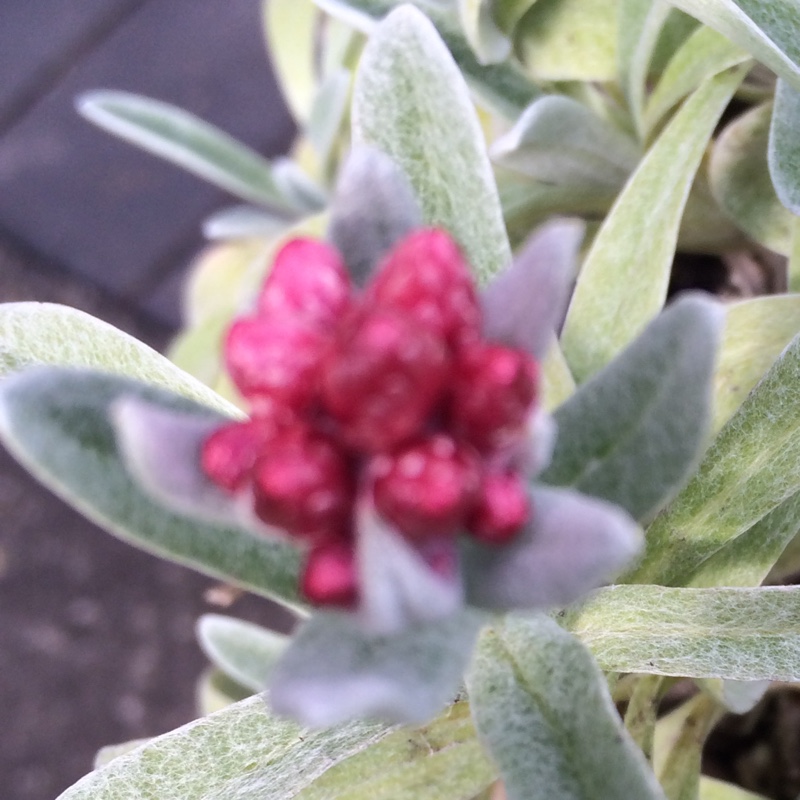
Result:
[
  {"x": 328, "y": 112},
  {"x": 373, "y": 208},
  {"x": 214, "y": 690},
  {"x": 623, "y": 282},
  {"x": 711, "y": 789},
  {"x": 737, "y": 696},
  {"x": 306, "y": 195},
  {"x": 334, "y": 671},
  {"x": 572, "y": 545},
  {"x": 189, "y": 142},
  {"x": 743, "y": 634},
  {"x": 523, "y": 305},
  {"x": 508, "y": 13},
  {"x": 411, "y": 102},
  {"x": 244, "y": 651},
  {"x": 633, "y": 433},
  {"x": 56, "y": 423},
  {"x": 542, "y": 709},
  {"x": 558, "y": 140},
  {"x": 741, "y": 182},
  {"x": 491, "y": 45},
  {"x": 239, "y": 222},
  {"x": 105, "y": 755},
  {"x": 502, "y": 86},
  {"x": 784, "y": 151},
  {"x": 398, "y": 586},
  {"x": 704, "y": 53},
  {"x": 770, "y": 31}
]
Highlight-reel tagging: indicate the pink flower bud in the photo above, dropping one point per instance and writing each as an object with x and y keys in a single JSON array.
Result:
[
  {"x": 329, "y": 576},
  {"x": 502, "y": 509}
]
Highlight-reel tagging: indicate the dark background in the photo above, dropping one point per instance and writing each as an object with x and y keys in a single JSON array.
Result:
[{"x": 96, "y": 638}]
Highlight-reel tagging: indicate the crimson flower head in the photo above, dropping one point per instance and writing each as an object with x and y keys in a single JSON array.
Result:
[{"x": 395, "y": 425}]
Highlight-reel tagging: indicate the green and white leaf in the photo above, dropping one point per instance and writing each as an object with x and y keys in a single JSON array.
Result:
[
  {"x": 633, "y": 432},
  {"x": 624, "y": 279},
  {"x": 711, "y": 789},
  {"x": 543, "y": 711},
  {"x": 214, "y": 691},
  {"x": 491, "y": 45},
  {"x": 738, "y": 634},
  {"x": 243, "y": 650},
  {"x": 329, "y": 112},
  {"x": 784, "y": 150},
  {"x": 243, "y": 222},
  {"x": 55, "y": 421},
  {"x": 410, "y": 101},
  {"x": 188, "y": 142}
]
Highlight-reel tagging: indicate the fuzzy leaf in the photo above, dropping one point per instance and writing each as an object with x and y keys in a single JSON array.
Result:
[
  {"x": 747, "y": 473},
  {"x": 542, "y": 708},
  {"x": 185, "y": 140},
  {"x": 704, "y": 53},
  {"x": 756, "y": 332},
  {"x": 711, "y": 789},
  {"x": 784, "y": 151},
  {"x": 523, "y": 305},
  {"x": 502, "y": 86},
  {"x": 560, "y": 141},
  {"x": 411, "y": 102},
  {"x": 633, "y": 433},
  {"x": 243, "y": 222},
  {"x": 329, "y": 112},
  {"x": 623, "y": 282},
  {"x": 572, "y": 545},
  {"x": 56, "y": 422},
  {"x": 491, "y": 45},
  {"x": 333, "y": 671},
  {"x": 741, "y": 183},
  {"x": 736, "y": 634},
  {"x": 770, "y": 31},
  {"x": 374, "y": 207},
  {"x": 214, "y": 691},
  {"x": 242, "y": 650}
]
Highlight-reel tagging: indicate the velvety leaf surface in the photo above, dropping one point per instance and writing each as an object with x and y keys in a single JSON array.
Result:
[
  {"x": 633, "y": 432},
  {"x": 623, "y": 282},
  {"x": 411, "y": 102},
  {"x": 56, "y": 422},
  {"x": 741, "y": 182},
  {"x": 749, "y": 471},
  {"x": 34, "y": 334},
  {"x": 768, "y": 29},
  {"x": 487, "y": 40},
  {"x": 737, "y": 634},
  {"x": 243, "y": 650},
  {"x": 329, "y": 112},
  {"x": 784, "y": 150},
  {"x": 334, "y": 671},
  {"x": 187, "y": 141},
  {"x": 543, "y": 711}
]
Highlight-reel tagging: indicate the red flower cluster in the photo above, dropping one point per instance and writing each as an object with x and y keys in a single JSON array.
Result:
[{"x": 389, "y": 391}]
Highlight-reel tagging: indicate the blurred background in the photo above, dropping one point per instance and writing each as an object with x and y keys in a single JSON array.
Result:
[{"x": 96, "y": 638}]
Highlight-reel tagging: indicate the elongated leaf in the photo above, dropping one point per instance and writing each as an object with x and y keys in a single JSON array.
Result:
[
  {"x": 632, "y": 434},
  {"x": 793, "y": 267},
  {"x": 741, "y": 183},
  {"x": 214, "y": 691},
  {"x": 243, "y": 222},
  {"x": 711, "y": 789},
  {"x": 624, "y": 279},
  {"x": 702, "y": 55},
  {"x": 56, "y": 422},
  {"x": 748, "y": 472},
  {"x": 784, "y": 151},
  {"x": 411, "y": 102},
  {"x": 502, "y": 86},
  {"x": 185, "y": 140},
  {"x": 756, "y": 332},
  {"x": 737, "y": 634},
  {"x": 769, "y": 31},
  {"x": 34, "y": 334},
  {"x": 243, "y": 650},
  {"x": 490, "y": 44},
  {"x": 542, "y": 709},
  {"x": 329, "y": 112}
]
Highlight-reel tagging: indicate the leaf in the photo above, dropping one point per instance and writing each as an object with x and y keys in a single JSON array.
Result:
[
  {"x": 242, "y": 650},
  {"x": 502, "y": 86},
  {"x": 333, "y": 671},
  {"x": 633, "y": 433},
  {"x": 243, "y": 222},
  {"x": 411, "y": 102},
  {"x": 569, "y": 40},
  {"x": 793, "y": 267},
  {"x": 329, "y": 112},
  {"x": 214, "y": 691},
  {"x": 188, "y": 142},
  {"x": 741, "y": 183},
  {"x": 756, "y": 332},
  {"x": 105, "y": 755},
  {"x": 784, "y": 151},
  {"x": 56, "y": 422},
  {"x": 704, "y": 53},
  {"x": 769, "y": 31},
  {"x": 560, "y": 141},
  {"x": 623, "y": 282},
  {"x": 711, "y": 789},
  {"x": 43, "y": 333},
  {"x": 491, "y": 45},
  {"x": 736, "y": 634},
  {"x": 738, "y": 697},
  {"x": 749, "y": 471},
  {"x": 543, "y": 711},
  {"x": 572, "y": 545}
]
